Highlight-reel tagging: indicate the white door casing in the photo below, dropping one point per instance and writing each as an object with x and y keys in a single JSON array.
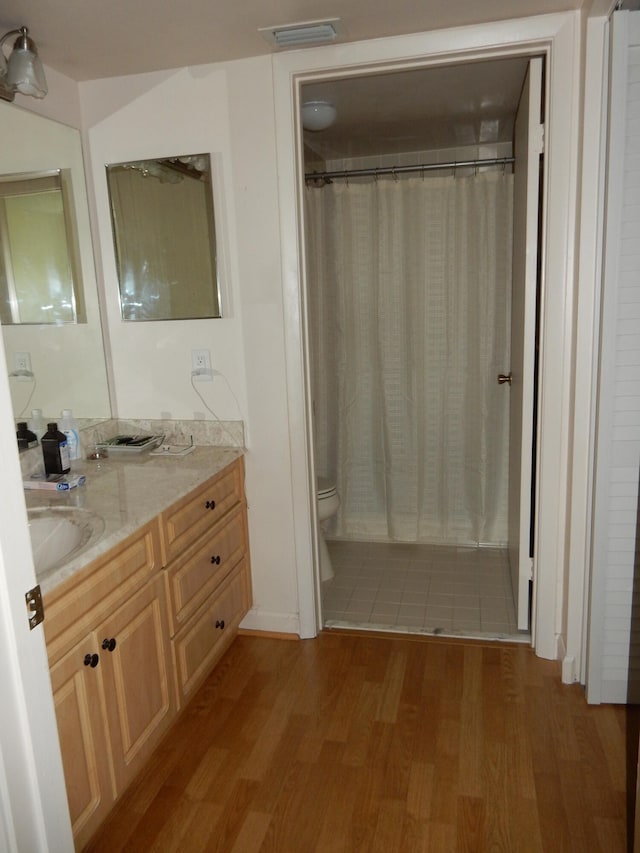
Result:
[
  {"x": 557, "y": 38},
  {"x": 527, "y": 150}
]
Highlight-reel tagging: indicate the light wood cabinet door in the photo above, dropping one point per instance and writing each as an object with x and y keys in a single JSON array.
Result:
[
  {"x": 78, "y": 696},
  {"x": 140, "y": 699}
]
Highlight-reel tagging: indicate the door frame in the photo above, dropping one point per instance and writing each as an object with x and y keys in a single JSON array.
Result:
[{"x": 557, "y": 37}]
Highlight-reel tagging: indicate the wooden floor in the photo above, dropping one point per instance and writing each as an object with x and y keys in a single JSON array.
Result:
[{"x": 363, "y": 743}]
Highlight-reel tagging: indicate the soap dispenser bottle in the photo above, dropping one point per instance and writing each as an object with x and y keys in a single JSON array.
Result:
[
  {"x": 55, "y": 451},
  {"x": 69, "y": 427}
]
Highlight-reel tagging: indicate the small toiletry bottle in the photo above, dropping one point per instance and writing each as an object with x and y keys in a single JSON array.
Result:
[
  {"x": 36, "y": 423},
  {"x": 26, "y": 438},
  {"x": 69, "y": 427},
  {"x": 55, "y": 451}
]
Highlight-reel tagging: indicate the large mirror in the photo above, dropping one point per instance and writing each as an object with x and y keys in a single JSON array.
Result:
[
  {"x": 57, "y": 364},
  {"x": 165, "y": 240},
  {"x": 40, "y": 280}
]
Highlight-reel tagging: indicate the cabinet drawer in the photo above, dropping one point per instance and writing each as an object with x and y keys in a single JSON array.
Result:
[
  {"x": 210, "y": 632},
  {"x": 186, "y": 520},
  {"x": 195, "y": 575},
  {"x": 72, "y": 608}
]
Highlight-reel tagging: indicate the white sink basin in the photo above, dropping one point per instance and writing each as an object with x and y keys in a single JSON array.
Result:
[{"x": 58, "y": 533}]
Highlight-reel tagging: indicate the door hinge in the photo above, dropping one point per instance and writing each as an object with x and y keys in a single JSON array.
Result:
[
  {"x": 539, "y": 142},
  {"x": 35, "y": 607},
  {"x": 531, "y": 568}
]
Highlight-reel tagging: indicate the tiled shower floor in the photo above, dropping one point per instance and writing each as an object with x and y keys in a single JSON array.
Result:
[{"x": 422, "y": 589}]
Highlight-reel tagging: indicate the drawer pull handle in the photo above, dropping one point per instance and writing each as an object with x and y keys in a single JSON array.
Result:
[
  {"x": 109, "y": 645},
  {"x": 220, "y": 623},
  {"x": 216, "y": 560},
  {"x": 91, "y": 660},
  {"x": 210, "y": 505}
]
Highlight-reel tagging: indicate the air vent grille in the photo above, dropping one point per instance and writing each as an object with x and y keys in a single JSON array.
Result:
[{"x": 294, "y": 35}]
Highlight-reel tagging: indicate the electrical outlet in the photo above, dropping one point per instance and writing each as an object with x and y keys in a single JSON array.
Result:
[
  {"x": 22, "y": 365},
  {"x": 201, "y": 365}
]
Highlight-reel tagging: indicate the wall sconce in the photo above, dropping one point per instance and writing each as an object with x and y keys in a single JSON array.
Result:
[
  {"x": 23, "y": 71},
  {"x": 317, "y": 115}
]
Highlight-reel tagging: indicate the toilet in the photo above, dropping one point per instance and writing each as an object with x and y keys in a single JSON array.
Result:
[{"x": 328, "y": 503}]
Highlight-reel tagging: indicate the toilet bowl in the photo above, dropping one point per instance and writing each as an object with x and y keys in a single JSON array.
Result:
[{"x": 327, "y": 502}]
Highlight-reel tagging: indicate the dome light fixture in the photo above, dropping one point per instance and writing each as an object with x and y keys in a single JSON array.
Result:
[
  {"x": 22, "y": 72},
  {"x": 317, "y": 115}
]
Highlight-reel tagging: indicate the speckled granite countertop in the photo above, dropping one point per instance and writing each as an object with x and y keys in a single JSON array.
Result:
[{"x": 127, "y": 493}]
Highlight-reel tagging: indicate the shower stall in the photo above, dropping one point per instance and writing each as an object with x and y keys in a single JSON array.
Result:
[{"x": 408, "y": 298}]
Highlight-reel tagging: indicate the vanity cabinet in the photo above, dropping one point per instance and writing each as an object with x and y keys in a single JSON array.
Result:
[
  {"x": 133, "y": 634},
  {"x": 207, "y": 574},
  {"x": 111, "y": 673}
]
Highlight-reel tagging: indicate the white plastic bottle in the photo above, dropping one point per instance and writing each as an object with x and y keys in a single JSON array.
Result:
[
  {"x": 37, "y": 423},
  {"x": 69, "y": 427}
]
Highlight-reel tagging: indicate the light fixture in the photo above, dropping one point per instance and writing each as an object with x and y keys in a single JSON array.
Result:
[
  {"x": 317, "y": 115},
  {"x": 23, "y": 72},
  {"x": 307, "y": 32}
]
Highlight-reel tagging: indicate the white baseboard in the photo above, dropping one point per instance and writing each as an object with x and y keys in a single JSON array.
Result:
[
  {"x": 276, "y": 623},
  {"x": 569, "y": 674}
]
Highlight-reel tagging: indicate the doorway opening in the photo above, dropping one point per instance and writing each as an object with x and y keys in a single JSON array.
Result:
[{"x": 410, "y": 360}]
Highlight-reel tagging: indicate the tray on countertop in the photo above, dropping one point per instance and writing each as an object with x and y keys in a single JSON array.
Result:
[{"x": 130, "y": 443}]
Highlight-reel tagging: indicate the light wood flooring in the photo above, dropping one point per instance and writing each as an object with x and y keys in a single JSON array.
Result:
[{"x": 356, "y": 742}]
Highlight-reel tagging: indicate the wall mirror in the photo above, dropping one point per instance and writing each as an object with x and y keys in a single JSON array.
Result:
[
  {"x": 162, "y": 216},
  {"x": 40, "y": 279},
  {"x": 59, "y": 364}
]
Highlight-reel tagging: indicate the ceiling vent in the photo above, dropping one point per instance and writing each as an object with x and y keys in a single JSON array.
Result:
[{"x": 310, "y": 32}]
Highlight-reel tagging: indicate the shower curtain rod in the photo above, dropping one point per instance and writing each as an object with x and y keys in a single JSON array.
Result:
[{"x": 396, "y": 170}]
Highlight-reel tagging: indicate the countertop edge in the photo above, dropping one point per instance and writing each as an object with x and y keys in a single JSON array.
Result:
[{"x": 128, "y": 494}]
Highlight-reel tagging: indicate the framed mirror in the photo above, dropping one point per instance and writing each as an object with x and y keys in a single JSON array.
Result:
[
  {"x": 53, "y": 364},
  {"x": 162, "y": 216}
]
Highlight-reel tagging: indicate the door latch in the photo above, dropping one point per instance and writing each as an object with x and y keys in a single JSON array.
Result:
[{"x": 35, "y": 607}]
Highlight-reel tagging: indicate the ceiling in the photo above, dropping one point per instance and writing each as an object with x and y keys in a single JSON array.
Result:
[
  {"x": 89, "y": 39},
  {"x": 424, "y": 109},
  {"x": 380, "y": 114}
]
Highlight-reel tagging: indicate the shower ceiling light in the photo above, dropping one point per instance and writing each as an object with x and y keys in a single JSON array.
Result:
[{"x": 317, "y": 115}]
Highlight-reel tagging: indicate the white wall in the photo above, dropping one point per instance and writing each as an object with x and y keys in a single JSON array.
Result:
[{"x": 225, "y": 109}]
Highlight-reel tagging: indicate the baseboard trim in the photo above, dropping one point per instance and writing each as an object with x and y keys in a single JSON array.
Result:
[
  {"x": 270, "y": 622},
  {"x": 266, "y": 635}
]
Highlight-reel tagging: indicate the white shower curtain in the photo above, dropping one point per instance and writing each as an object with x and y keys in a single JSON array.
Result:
[{"x": 409, "y": 308}]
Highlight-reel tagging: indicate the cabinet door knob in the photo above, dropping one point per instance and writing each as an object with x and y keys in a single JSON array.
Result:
[
  {"x": 210, "y": 505},
  {"x": 216, "y": 560},
  {"x": 91, "y": 660},
  {"x": 220, "y": 623},
  {"x": 109, "y": 645}
]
